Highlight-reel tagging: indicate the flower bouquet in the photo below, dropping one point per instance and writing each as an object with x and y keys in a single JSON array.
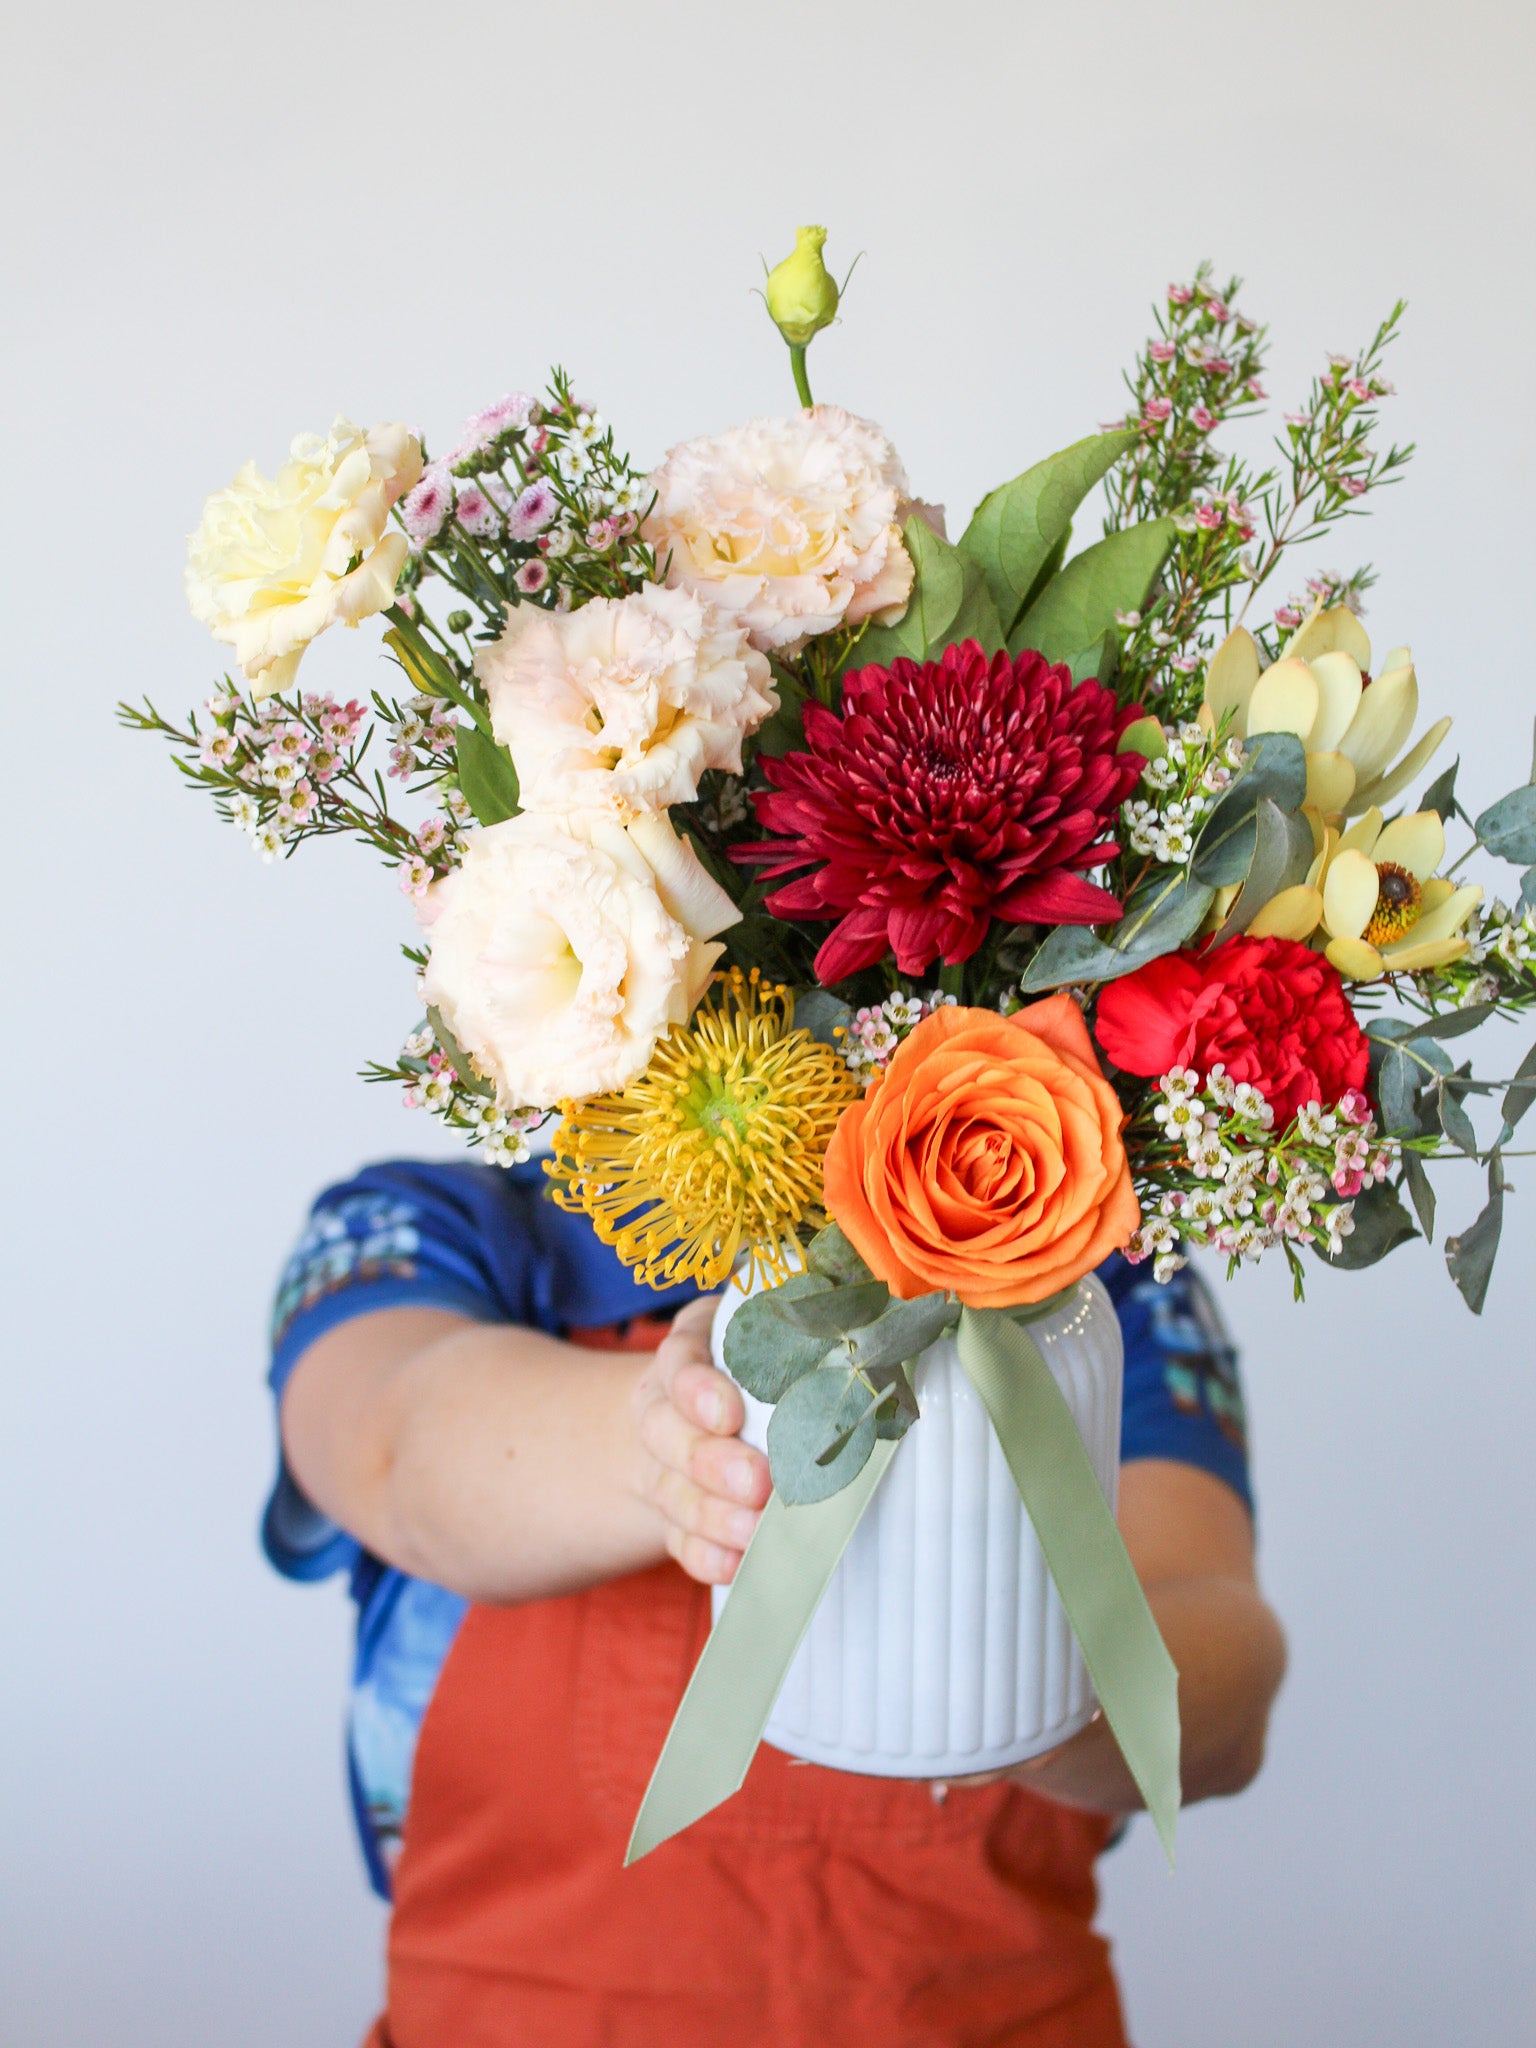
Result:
[{"x": 900, "y": 925}]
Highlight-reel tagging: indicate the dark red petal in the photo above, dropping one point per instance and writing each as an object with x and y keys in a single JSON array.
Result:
[
  {"x": 859, "y": 941},
  {"x": 1058, "y": 898}
]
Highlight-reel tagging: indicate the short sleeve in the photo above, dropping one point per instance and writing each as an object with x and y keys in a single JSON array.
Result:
[
  {"x": 1183, "y": 1398},
  {"x": 396, "y": 1236}
]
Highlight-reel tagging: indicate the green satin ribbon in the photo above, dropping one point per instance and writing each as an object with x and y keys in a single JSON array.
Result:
[
  {"x": 1132, "y": 1672},
  {"x": 779, "y": 1583},
  {"x": 790, "y": 1561}
]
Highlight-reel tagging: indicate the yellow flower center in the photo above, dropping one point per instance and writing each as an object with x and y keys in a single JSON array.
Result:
[
  {"x": 1399, "y": 899},
  {"x": 717, "y": 1145}
]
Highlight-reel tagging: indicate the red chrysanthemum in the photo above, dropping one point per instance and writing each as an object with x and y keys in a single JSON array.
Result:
[
  {"x": 1273, "y": 1012},
  {"x": 948, "y": 793}
]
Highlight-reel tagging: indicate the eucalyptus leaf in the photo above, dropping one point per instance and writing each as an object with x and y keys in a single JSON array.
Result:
[
  {"x": 1452, "y": 1023},
  {"x": 1016, "y": 528},
  {"x": 1420, "y": 1190},
  {"x": 833, "y": 1311},
  {"x": 1397, "y": 1088},
  {"x": 1469, "y": 1257},
  {"x": 1078, "y": 605},
  {"x": 1440, "y": 797},
  {"x": 905, "y": 1331},
  {"x": 1527, "y": 891},
  {"x": 879, "y": 1401},
  {"x": 1282, "y": 855},
  {"x": 1158, "y": 918},
  {"x": 1519, "y": 1096},
  {"x": 1277, "y": 768},
  {"x": 764, "y": 1353},
  {"x": 486, "y": 776},
  {"x": 830, "y": 1253},
  {"x": 897, "y": 1418},
  {"x": 1508, "y": 828},
  {"x": 1454, "y": 1121},
  {"x": 1381, "y": 1225},
  {"x": 820, "y": 1013},
  {"x": 818, "y": 1410}
]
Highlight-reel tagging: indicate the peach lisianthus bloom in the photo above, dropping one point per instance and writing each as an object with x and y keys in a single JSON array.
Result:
[
  {"x": 560, "y": 955},
  {"x": 621, "y": 705},
  {"x": 987, "y": 1160},
  {"x": 276, "y": 560},
  {"x": 790, "y": 526}
]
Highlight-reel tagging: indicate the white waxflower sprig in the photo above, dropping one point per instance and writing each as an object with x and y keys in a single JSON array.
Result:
[
  {"x": 1184, "y": 784},
  {"x": 1213, "y": 1172}
]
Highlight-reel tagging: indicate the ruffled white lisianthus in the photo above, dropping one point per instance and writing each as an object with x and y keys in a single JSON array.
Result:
[
  {"x": 562, "y": 952},
  {"x": 621, "y": 705},
  {"x": 278, "y": 559},
  {"x": 790, "y": 526}
]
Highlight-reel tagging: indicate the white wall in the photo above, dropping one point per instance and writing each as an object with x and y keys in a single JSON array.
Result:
[{"x": 225, "y": 224}]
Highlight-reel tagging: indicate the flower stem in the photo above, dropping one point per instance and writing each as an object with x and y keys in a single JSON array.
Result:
[{"x": 797, "y": 364}]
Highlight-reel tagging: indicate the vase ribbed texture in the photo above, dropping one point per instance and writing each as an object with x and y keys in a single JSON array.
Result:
[{"x": 941, "y": 1647}]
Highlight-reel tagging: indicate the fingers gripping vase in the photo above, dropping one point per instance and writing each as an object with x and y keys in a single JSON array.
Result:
[{"x": 941, "y": 1647}]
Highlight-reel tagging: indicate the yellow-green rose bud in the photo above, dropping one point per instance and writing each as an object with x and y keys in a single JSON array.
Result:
[{"x": 802, "y": 299}]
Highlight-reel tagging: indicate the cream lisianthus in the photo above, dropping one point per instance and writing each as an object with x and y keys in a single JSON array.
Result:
[
  {"x": 1352, "y": 729},
  {"x": 278, "y": 559},
  {"x": 789, "y": 526},
  {"x": 1373, "y": 901},
  {"x": 621, "y": 705},
  {"x": 560, "y": 955}
]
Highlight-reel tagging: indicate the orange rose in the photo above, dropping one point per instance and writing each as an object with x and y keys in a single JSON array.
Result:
[{"x": 987, "y": 1160}]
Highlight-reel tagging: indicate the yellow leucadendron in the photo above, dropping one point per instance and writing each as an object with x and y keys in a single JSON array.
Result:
[
  {"x": 1373, "y": 901},
  {"x": 1351, "y": 729}
]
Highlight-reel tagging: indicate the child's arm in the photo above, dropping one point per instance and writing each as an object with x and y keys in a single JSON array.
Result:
[
  {"x": 1191, "y": 1541},
  {"x": 509, "y": 1466}
]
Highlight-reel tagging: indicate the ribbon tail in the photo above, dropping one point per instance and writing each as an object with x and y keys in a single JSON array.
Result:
[
  {"x": 1132, "y": 1672},
  {"x": 779, "y": 1584}
]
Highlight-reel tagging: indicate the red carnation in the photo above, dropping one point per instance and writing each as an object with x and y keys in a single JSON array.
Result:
[
  {"x": 1273, "y": 1013},
  {"x": 948, "y": 793}
]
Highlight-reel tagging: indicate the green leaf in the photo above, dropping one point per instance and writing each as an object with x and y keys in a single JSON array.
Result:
[
  {"x": 1419, "y": 1187},
  {"x": 1440, "y": 797},
  {"x": 1097, "y": 661},
  {"x": 486, "y": 776},
  {"x": 1016, "y": 528},
  {"x": 1452, "y": 1023},
  {"x": 1527, "y": 891},
  {"x": 904, "y": 1331},
  {"x": 1454, "y": 1121},
  {"x": 821, "y": 1013},
  {"x": 1520, "y": 1095},
  {"x": 833, "y": 1311},
  {"x": 1159, "y": 917},
  {"x": 1508, "y": 828},
  {"x": 894, "y": 1420},
  {"x": 977, "y": 617},
  {"x": 456, "y": 1056},
  {"x": 822, "y": 1413},
  {"x": 1381, "y": 1225},
  {"x": 764, "y": 1353},
  {"x": 1145, "y": 737},
  {"x": 1397, "y": 1089},
  {"x": 938, "y": 592},
  {"x": 1469, "y": 1257},
  {"x": 1282, "y": 854},
  {"x": 1080, "y": 604},
  {"x": 1277, "y": 768},
  {"x": 831, "y": 1254},
  {"x": 430, "y": 673}
]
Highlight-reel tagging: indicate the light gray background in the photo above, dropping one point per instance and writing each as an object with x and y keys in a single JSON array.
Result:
[{"x": 224, "y": 225}]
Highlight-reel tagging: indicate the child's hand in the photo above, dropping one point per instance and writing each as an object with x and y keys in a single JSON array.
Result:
[{"x": 708, "y": 1487}]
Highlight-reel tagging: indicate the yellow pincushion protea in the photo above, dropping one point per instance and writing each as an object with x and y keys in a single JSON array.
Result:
[{"x": 717, "y": 1145}]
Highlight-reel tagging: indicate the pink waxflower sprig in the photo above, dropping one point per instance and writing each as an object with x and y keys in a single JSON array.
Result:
[
  {"x": 533, "y": 504},
  {"x": 1212, "y": 1172},
  {"x": 287, "y": 769},
  {"x": 429, "y": 1079},
  {"x": 1234, "y": 524}
]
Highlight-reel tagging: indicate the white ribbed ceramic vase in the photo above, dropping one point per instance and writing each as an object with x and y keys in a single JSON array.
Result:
[{"x": 941, "y": 1647}]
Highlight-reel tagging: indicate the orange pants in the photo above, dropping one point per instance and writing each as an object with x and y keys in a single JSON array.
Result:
[{"x": 814, "y": 1908}]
